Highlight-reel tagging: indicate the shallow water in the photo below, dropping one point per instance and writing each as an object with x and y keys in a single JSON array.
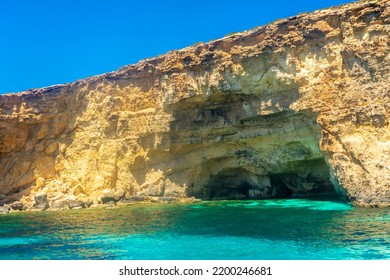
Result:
[{"x": 279, "y": 229}]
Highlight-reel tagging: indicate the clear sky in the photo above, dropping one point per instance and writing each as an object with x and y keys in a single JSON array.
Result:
[{"x": 45, "y": 42}]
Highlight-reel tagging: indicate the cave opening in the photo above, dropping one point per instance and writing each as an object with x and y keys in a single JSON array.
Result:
[{"x": 310, "y": 179}]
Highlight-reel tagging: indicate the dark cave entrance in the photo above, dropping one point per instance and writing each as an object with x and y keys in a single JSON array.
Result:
[{"x": 306, "y": 179}]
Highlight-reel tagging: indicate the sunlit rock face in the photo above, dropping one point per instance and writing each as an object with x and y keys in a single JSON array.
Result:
[{"x": 298, "y": 107}]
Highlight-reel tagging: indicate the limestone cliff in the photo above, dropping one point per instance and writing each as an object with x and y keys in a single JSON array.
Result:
[{"x": 297, "y": 107}]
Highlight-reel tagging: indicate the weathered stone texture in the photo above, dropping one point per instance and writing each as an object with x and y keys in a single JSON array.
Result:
[{"x": 296, "y": 107}]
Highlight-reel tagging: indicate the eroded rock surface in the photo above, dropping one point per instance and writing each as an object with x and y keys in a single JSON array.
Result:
[{"x": 297, "y": 107}]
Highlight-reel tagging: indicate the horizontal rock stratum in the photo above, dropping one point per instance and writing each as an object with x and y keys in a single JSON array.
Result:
[{"x": 297, "y": 107}]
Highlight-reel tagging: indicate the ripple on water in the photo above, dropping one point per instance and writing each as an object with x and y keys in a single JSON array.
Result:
[
  {"x": 289, "y": 203},
  {"x": 261, "y": 229}
]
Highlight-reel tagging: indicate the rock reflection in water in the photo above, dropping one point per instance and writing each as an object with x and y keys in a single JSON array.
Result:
[{"x": 263, "y": 229}]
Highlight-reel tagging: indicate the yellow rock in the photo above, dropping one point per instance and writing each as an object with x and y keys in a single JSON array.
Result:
[{"x": 297, "y": 107}]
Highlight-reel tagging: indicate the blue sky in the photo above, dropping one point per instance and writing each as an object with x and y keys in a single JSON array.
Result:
[{"x": 46, "y": 42}]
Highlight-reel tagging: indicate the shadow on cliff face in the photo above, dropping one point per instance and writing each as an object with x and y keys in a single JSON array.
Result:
[
  {"x": 310, "y": 179},
  {"x": 226, "y": 148}
]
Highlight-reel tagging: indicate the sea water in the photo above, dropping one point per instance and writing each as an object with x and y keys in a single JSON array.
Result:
[{"x": 279, "y": 229}]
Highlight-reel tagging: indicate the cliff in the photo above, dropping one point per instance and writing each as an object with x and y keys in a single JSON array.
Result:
[{"x": 297, "y": 107}]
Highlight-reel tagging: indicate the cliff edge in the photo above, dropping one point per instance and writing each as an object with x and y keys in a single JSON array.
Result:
[{"x": 297, "y": 107}]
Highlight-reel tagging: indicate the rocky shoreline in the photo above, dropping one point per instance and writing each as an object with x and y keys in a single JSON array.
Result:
[{"x": 72, "y": 202}]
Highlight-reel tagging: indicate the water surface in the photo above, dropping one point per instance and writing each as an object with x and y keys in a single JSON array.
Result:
[{"x": 279, "y": 229}]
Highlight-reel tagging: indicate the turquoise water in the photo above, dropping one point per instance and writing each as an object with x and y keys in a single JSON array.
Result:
[{"x": 280, "y": 229}]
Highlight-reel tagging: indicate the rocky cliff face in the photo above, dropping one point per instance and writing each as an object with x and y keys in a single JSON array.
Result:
[{"x": 297, "y": 107}]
